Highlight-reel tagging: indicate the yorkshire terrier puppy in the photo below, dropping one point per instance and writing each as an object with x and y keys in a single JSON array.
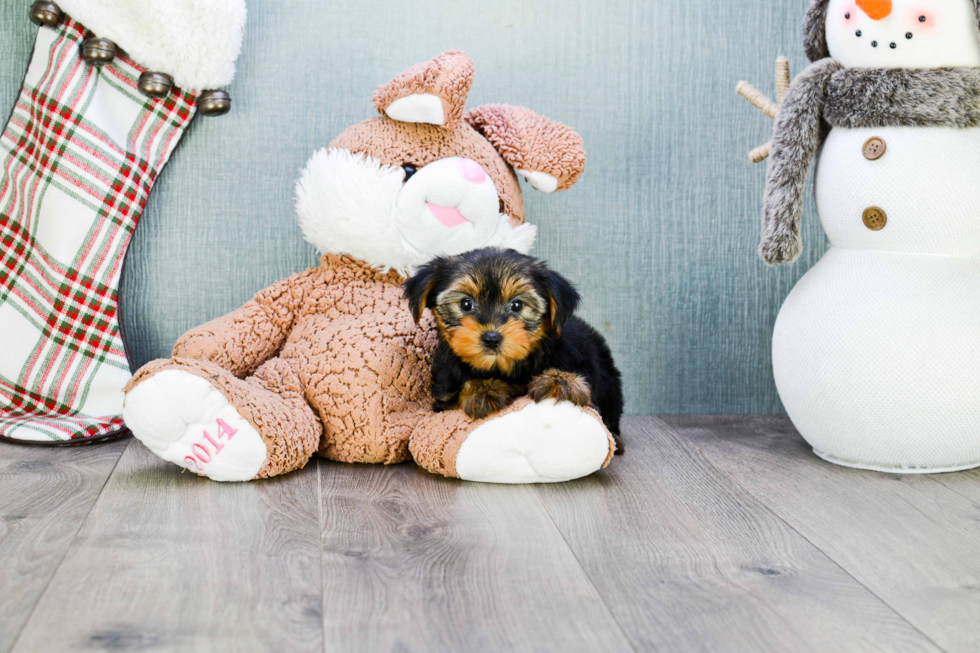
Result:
[{"x": 507, "y": 328}]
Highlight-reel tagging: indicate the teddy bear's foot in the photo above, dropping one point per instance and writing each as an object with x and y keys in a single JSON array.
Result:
[
  {"x": 183, "y": 419},
  {"x": 527, "y": 442},
  {"x": 544, "y": 442},
  {"x": 202, "y": 417}
]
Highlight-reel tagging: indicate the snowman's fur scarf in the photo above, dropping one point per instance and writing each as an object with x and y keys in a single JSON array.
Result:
[
  {"x": 815, "y": 32},
  {"x": 937, "y": 97},
  {"x": 829, "y": 95},
  {"x": 794, "y": 144}
]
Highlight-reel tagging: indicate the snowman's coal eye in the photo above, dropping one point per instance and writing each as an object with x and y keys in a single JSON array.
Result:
[{"x": 409, "y": 171}]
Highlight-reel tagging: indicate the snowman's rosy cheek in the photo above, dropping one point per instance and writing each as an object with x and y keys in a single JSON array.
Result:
[
  {"x": 922, "y": 21},
  {"x": 850, "y": 15}
]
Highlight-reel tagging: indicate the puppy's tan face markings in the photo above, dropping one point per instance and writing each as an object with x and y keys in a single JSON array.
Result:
[{"x": 497, "y": 299}]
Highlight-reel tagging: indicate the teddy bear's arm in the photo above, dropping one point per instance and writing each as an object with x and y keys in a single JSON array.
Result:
[{"x": 247, "y": 337}]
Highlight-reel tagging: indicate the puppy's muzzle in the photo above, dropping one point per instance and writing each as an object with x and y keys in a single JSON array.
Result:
[{"x": 492, "y": 340}]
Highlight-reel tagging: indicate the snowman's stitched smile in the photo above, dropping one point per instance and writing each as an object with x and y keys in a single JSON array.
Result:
[{"x": 447, "y": 215}]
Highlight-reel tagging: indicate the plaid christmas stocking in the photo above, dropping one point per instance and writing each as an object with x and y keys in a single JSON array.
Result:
[{"x": 86, "y": 139}]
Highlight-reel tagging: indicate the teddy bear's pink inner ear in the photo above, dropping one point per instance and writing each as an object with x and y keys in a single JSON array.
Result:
[
  {"x": 433, "y": 92},
  {"x": 548, "y": 154}
]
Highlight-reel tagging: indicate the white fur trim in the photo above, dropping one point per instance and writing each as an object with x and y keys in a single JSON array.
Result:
[
  {"x": 175, "y": 414},
  {"x": 541, "y": 443},
  {"x": 541, "y": 181},
  {"x": 419, "y": 108},
  {"x": 352, "y": 204},
  {"x": 194, "y": 41}
]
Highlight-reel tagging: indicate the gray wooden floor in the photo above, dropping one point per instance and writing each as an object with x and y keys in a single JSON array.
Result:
[{"x": 711, "y": 534}]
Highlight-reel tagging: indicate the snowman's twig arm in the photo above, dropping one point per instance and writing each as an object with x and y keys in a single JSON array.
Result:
[
  {"x": 764, "y": 104},
  {"x": 755, "y": 97},
  {"x": 794, "y": 145}
]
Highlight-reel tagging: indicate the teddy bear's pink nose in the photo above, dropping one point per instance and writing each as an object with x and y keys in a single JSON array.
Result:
[{"x": 471, "y": 170}]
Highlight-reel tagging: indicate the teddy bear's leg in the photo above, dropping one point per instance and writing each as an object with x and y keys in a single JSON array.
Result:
[
  {"x": 200, "y": 416},
  {"x": 527, "y": 442}
]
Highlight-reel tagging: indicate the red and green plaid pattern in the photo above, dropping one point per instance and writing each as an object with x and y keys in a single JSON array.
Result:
[{"x": 79, "y": 157}]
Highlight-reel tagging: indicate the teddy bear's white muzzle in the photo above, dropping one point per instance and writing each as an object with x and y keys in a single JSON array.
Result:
[{"x": 449, "y": 206}]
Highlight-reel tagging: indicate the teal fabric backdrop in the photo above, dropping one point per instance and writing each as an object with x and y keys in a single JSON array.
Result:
[{"x": 660, "y": 233}]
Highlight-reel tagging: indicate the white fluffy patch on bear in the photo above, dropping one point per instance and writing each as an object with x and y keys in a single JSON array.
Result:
[
  {"x": 349, "y": 204},
  {"x": 542, "y": 443},
  {"x": 345, "y": 204},
  {"x": 419, "y": 108},
  {"x": 194, "y": 42},
  {"x": 519, "y": 238},
  {"x": 183, "y": 419}
]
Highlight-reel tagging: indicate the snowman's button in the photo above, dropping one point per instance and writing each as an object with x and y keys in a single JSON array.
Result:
[
  {"x": 875, "y": 218},
  {"x": 874, "y": 148}
]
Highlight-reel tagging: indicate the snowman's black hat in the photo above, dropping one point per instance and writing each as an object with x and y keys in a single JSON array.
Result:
[{"x": 815, "y": 30}]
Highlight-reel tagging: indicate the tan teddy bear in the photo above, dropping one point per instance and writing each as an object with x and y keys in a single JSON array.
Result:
[{"x": 330, "y": 360}]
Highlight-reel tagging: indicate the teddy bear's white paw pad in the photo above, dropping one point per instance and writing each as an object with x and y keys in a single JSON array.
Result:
[
  {"x": 541, "y": 443},
  {"x": 185, "y": 420}
]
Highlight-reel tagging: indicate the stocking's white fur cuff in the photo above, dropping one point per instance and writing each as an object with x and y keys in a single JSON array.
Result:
[{"x": 194, "y": 41}]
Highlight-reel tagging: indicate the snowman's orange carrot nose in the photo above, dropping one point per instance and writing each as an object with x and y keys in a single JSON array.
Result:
[{"x": 876, "y": 9}]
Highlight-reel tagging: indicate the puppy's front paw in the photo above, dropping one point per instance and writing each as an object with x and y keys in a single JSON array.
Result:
[
  {"x": 620, "y": 447},
  {"x": 560, "y": 386},
  {"x": 484, "y": 397},
  {"x": 442, "y": 405}
]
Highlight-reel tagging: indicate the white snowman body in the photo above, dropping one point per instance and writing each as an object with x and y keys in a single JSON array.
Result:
[{"x": 876, "y": 351}]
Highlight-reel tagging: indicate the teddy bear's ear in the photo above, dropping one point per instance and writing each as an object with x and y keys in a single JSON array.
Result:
[
  {"x": 546, "y": 153},
  {"x": 433, "y": 92}
]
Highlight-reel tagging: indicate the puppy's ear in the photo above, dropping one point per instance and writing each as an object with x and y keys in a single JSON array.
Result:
[
  {"x": 563, "y": 299},
  {"x": 546, "y": 153},
  {"x": 433, "y": 92},
  {"x": 425, "y": 285}
]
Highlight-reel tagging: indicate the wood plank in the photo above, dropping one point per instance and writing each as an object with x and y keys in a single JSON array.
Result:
[
  {"x": 171, "y": 561},
  {"x": 910, "y": 540},
  {"x": 687, "y": 560},
  {"x": 965, "y": 484},
  {"x": 45, "y": 495},
  {"x": 414, "y": 562}
]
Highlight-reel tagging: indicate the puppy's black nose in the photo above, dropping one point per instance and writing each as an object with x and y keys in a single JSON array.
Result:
[{"x": 492, "y": 339}]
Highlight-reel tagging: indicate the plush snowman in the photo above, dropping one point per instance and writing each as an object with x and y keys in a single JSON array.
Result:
[{"x": 876, "y": 351}]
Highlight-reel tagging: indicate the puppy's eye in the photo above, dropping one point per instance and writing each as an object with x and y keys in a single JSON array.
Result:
[
  {"x": 516, "y": 305},
  {"x": 466, "y": 305},
  {"x": 409, "y": 170}
]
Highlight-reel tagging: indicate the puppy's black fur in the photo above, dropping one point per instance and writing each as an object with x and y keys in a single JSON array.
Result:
[{"x": 504, "y": 316}]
